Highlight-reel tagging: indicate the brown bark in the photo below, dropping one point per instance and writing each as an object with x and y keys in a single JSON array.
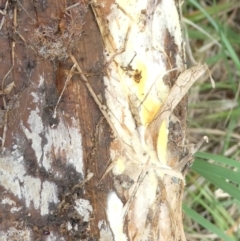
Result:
[{"x": 39, "y": 77}]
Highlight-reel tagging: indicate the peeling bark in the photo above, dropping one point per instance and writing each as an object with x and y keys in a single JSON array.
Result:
[
  {"x": 145, "y": 56},
  {"x": 80, "y": 88}
]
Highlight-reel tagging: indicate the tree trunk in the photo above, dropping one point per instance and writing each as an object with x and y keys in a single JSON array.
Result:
[{"x": 82, "y": 155}]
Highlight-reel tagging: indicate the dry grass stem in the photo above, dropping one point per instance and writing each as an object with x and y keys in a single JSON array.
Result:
[{"x": 70, "y": 74}]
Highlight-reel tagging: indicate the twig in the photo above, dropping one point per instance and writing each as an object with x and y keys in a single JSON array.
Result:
[
  {"x": 3, "y": 80},
  {"x": 5, "y": 129},
  {"x": 70, "y": 74},
  {"x": 88, "y": 177},
  {"x": 26, "y": 11},
  {"x": 72, "y": 6},
  {"x": 187, "y": 159},
  {"x": 4, "y": 13},
  {"x": 96, "y": 99},
  {"x": 121, "y": 50}
]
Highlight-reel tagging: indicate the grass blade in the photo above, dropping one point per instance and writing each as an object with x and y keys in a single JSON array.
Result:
[{"x": 206, "y": 224}]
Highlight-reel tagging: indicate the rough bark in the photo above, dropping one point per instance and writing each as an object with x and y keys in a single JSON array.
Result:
[
  {"x": 56, "y": 142},
  {"x": 44, "y": 157}
]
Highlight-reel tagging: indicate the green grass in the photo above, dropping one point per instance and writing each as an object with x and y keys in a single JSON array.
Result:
[{"x": 212, "y": 199}]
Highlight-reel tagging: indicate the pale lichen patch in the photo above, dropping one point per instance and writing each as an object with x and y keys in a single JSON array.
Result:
[
  {"x": 84, "y": 208},
  {"x": 61, "y": 139},
  {"x": 49, "y": 195},
  {"x": 15, "y": 179},
  {"x": 11, "y": 174},
  {"x": 10, "y": 202},
  {"x": 16, "y": 234},
  {"x": 105, "y": 231}
]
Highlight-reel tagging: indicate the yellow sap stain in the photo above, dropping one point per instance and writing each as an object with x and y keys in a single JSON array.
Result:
[
  {"x": 150, "y": 105},
  {"x": 149, "y": 110},
  {"x": 162, "y": 143}
]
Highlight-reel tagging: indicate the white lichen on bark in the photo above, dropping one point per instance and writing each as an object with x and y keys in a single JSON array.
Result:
[
  {"x": 16, "y": 234},
  {"x": 64, "y": 140},
  {"x": 84, "y": 208}
]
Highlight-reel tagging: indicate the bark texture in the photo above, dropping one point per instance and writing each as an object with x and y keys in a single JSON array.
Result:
[
  {"x": 44, "y": 158},
  {"x": 57, "y": 143}
]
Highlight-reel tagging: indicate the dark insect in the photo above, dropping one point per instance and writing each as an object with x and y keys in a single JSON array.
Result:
[
  {"x": 46, "y": 232},
  {"x": 137, "y": 76}
]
